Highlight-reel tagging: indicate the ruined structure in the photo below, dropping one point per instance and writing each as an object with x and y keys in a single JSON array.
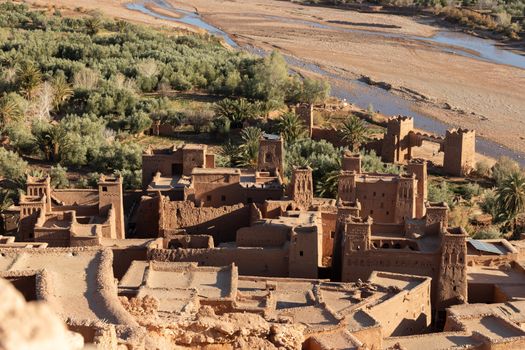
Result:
[
  {"x": 458, "y": 145},
  {"x": 71, "y": 216},
  {"x": 400, "y": 139}
]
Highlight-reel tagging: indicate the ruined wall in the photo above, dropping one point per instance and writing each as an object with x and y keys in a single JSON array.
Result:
[
  {"x": 407, "y": 312},
  {"x": 330, "y": 135},
  {"x": 263, "y": 235},
  {"x": 274, "y": 208},
  {"x": 147, "y": 217},
  {"x": 360, "y": 264},
  {"x": 74, "y": 197},
  {"x": 271, "y": 262},
  {"x": 221, "y": 223}
]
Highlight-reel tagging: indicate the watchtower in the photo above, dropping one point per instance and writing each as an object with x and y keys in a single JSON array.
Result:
[
  {"x": 38, "y": 187},
  {"x": 271, "y": 155},
  {"x": 302, "y": 187},
  {"x": 305, "y": 112},
  {"x": 406, "y": 198},
  {"x": 396, "y": 143},
  {"x": 357, "y": 233},
  {"x": 452, "y": 286},
  {"x": 418, "y": 168},
  {"x": 460, "y": 152},
  {"x": 346, "y": 190},
  {"x": 111, "y": 197}
]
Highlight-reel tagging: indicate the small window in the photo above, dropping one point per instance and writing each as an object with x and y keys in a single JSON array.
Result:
[
  {"x": 382, "y": 194},
  {"x": 250, "y": 200},
  {"x": 387, "y": 212},
  {"x": 104, "y": 189},
  {"x": 332, "y": 234},
  {"x": 223, "y": 198},
  {"x": 208, "y": 198},
  {"x": 301, "y": 253},
  {"x": 374, "y": 194},
  {"x": 371, "y": 212},
  {"x": 268, "y": 157}
]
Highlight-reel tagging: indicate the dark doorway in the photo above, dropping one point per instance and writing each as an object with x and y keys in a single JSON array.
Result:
[{"x": 176, "y": 169}]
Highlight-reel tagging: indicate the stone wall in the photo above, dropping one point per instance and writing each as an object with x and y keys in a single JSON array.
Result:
[
  {"x": 270, "y": 262},
  {"x": 221, "y": 223}
]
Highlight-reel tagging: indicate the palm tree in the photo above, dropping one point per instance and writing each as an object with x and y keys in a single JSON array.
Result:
[
  {"x": 510, "y": 196},
  {"x": 291, "y": 127},
  {"x": 62, "y": 91},
  {"x": 6, "y": 199},
  {"x": 329, "y": 183},
  {"x": 29, "y": 77},
  {"x": 355, "y": 132},
  {"x": 10, "y": 110},
  {"x": 51, "y": 140},
  {"x": 249, "y": 150},
  {"x": 93, "y": 25},
  {"x": 237, "y": 111}
]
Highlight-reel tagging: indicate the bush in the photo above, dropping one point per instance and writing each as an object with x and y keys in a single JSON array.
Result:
[
  {"x": 200, "y": 120},
  {"x": 12, "y": 167},
  {"x": 503, "y": 168},
  {"x": 58, "y": 176},
  {"x": 440, "y": 192},
  {"x": 483, "y": 168},
  {"x": 489, "y": 203},
  {"x": 490, "y": 232}
]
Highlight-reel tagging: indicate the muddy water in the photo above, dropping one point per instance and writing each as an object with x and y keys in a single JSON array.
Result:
[{"x": 364, "y": 95}]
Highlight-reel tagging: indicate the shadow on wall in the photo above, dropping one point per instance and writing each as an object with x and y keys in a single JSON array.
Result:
[{"x": 222, "y": 228}]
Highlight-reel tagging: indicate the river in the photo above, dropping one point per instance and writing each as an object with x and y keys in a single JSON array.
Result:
[{"x": 364, "y": 95}]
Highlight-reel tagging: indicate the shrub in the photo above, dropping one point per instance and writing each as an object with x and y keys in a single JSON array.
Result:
[
  {"x": 503, "y": 168},
  {"x": 483, "y": 168},
  {"x": 440, "y": 192},
  {"x": 490, "y": 232},
  {"x": 12, "y": 167},
  {"x": 58, "y": 176}
]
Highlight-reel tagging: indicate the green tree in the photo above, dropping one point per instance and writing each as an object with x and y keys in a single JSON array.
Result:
[
  {"x": 29, "y": 77},
  {"x": 355, "y": 132},
  {"x": 58, "y": 176},
  {"x": 10, "y": 109},
  {"x": 249, "y": 149},
  {"x": 50, "y": 139},
  {"x": 291, "y": 127},
  {"x": 510, "y": 196},
  {"x": 12, "y": 167},
  {"x": 62, "y": 91},
  {"x": 237, "y": 111}
]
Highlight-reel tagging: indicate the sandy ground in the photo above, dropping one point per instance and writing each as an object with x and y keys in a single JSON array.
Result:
[{"x": 487, "y": 97}]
